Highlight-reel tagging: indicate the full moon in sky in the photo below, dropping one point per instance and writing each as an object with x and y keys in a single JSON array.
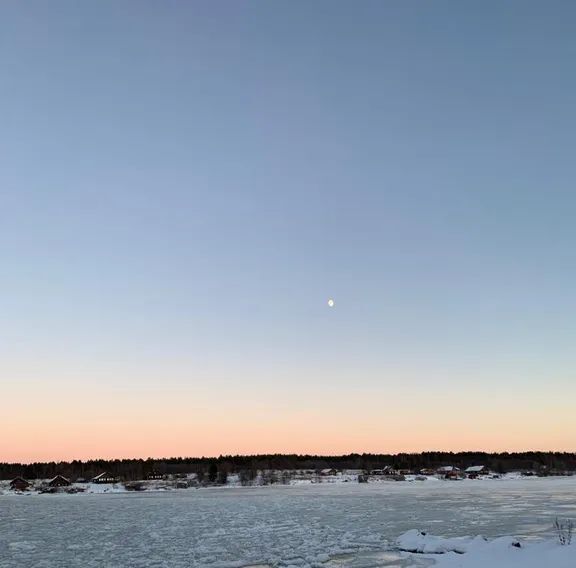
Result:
[{"x": 330, "y": 303}]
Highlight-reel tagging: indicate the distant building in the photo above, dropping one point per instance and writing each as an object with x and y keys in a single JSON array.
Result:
[
  {"x": 155, "y": 475},
  {"x": 449, "y": 472},
  {"x": 329, "y": 471},
  {"x": 386, "y": 470},
  {"x": 427, "y": 471},
  {"x": 447, "y": 469},
  {"x": 19, "y": 484},
  {"x": 59, "y": 481},
  {"x": 474, "y": 471},
  {"x": 105, "y": 477}
]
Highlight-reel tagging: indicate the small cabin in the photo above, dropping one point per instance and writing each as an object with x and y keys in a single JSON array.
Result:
[
  {"x": 59, "y": 481},
  {"x": 328, "y": 471},
  {"x": 105, "y": 477},
  {"x": 447, "y": 469},
  {"x": 474, "y": 471},
  {"x": 448, "y": 472},
  {"x": 19, "y": 484},
  {"x": 155, "y": 476},
  {"x": 386, "y": 470}
]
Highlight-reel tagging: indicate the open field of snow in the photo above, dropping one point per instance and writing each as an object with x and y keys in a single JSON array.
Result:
[{"x": 329, "y": 525}]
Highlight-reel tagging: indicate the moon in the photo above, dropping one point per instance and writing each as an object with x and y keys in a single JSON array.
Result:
[{"x": 330, "y": 303}]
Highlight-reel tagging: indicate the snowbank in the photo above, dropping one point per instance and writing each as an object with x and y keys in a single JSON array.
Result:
[
  {"x": 478, "y": 552},
  {"x": 422, "y": 543}
]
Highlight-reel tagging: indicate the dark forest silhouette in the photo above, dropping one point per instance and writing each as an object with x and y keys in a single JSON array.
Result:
[{"x": 542, "y": 463}]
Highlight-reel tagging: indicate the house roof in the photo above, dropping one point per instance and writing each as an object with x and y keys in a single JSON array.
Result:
[
  {"x": 475, "y": 468},
  {"x": 448, "y": 468},
  {"x": 57, "y": 477},
  {"x": 328, "y": 470},
  {"x": 103, "y": 475},
  {"x": 19, "y": 480}
]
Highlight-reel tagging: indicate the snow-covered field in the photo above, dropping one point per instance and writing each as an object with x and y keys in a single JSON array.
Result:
[{"x": 345, "y": 525}]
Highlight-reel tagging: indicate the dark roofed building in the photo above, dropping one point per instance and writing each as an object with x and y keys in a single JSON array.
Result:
[
  {"x": 475, "y": 470},
  {"x": 59, "y": 481},
  {"x": 449, "y": 472},
  {"x": 19, "y": 484},
  {"x": 105, "y": 477},
  {"x": 329, "y": 471},
  {"x": 155, "y": 475}
]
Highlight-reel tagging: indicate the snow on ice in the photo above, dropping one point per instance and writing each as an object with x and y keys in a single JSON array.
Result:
[{"x": 346, "y": 525}]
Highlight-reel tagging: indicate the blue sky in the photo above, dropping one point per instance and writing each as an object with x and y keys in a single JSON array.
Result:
[{"x": 183, "y": 185}]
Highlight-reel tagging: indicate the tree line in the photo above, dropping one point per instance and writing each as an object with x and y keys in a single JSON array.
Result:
[{"x": 249, "y": 465}]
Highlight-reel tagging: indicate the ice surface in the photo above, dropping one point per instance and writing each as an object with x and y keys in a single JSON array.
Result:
[{"x": 324, "y": 525}]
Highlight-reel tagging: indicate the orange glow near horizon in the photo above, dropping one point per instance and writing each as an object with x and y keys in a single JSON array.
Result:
[{"x": 60, "y": 426}]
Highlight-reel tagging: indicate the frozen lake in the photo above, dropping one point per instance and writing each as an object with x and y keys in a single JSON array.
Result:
[{"x": 344, "y": 525}]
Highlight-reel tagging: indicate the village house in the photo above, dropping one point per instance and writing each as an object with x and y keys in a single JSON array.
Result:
[
  {"x": 105, "y": 477},
  {"x": 387, "y": 470},
  {"x": 328, "y": 471},
  {"x": 427, "y": 471},
  {"x": 474, "y": 471},
  {"x": 447, "y": 469},
  {"x": 448, "y": 472},
  {"x": 154, "y": 475},
  {"x": 19, "y": 484},
  {"x": 59, "y": 481}
]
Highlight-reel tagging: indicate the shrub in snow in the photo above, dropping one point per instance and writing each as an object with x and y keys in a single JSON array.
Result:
[{"x": 564, "y": 529}]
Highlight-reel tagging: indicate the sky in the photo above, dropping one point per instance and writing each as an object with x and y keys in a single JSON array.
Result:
[{"x": 184, "y": 185}]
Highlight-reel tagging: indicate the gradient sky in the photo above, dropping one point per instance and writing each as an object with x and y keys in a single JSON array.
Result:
[{"x": 183, "y": 185}]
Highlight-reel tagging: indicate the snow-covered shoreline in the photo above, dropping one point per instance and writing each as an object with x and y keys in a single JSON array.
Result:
[
  {"x": 38, "y": 487},
  {"x": 479, "y": 552}
]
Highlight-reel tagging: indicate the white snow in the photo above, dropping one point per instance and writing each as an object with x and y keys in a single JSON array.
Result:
[
  {"x": 479, "y": 552},
  {"x": 423, "y": 543}
]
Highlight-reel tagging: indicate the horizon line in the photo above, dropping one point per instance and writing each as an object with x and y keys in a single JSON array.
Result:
[{"x": 298, "y": 455}]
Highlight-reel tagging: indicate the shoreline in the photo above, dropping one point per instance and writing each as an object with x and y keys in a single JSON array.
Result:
[{"x": 172, "y": 485}]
